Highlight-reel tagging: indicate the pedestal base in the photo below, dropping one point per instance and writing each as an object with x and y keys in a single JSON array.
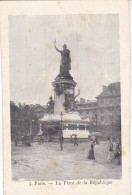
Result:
[{"x": 64, "y": 89}]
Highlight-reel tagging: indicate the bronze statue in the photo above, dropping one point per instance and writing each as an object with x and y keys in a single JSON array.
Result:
[{"x": 65, "y": 64}]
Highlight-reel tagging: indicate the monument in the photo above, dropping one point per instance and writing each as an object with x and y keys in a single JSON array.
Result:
[
  {"x": 64, "y": 85},
  {"x": 64, "y": 112}
]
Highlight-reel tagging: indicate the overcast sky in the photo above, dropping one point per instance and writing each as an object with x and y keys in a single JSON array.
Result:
[{"x": 34, "y": 63}]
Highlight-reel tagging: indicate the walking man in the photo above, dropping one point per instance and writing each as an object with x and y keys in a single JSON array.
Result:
[
  {"x": 75, "y": 140},
  {"x": 16, "y": 141},
  {"x": 118, "y": 151}
]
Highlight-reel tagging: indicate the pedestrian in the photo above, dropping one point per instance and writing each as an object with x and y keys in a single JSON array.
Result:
[
  {"x": 117, "y": 151},
  {"x": 61, "y": 142},
  {"x": 41, "y": 140},
  {"x": 90, "y": 155},
  {"x": 110, "y": 154},
  {"x": 75, "y": 140},
  {"x": 97, "y": 140},
  {"x": 16, "y": 141},
  {"x": 27, "y": 142},
  {"x": 71, "y": 139},
  {"x": 93, "y": 139}
]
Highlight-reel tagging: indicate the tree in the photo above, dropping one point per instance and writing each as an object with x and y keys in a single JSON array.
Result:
[
  {"x": 14, "y": 116},
  {"x": 25, "y": 119}
]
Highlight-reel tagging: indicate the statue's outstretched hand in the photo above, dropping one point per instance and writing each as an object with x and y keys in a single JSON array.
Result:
[{"x": 54, "y": 43}]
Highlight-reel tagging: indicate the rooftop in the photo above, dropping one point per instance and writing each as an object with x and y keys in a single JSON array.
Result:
[
  {"x": 110, "y": 90},
  {"x": 71, "y": 116}
]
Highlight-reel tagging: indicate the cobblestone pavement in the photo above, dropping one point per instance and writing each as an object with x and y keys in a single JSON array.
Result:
[{"x": 48, "y": 162}]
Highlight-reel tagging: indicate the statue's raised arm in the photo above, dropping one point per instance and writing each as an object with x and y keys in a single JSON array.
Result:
[{"x": 56, "y": 47}]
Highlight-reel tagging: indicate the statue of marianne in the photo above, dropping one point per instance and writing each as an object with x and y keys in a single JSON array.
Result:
[{"x": 65, "y": 64}]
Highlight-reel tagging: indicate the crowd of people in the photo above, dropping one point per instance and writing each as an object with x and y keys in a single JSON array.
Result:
[
  {"x": 114, "y": 152},
  {"x": 114, "y": 149}
]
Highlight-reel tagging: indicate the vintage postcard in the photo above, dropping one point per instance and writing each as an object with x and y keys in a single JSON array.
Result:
[{"x": 66, "y": 97}]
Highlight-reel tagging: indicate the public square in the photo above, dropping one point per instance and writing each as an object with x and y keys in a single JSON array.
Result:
[{"x": 47, "y": 162}]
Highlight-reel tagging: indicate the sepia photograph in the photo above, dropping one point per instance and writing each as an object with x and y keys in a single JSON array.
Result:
[{"x": 65, "y": 97}]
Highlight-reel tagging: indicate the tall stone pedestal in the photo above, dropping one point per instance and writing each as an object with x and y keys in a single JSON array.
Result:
[{"x": 64, "y": 91}]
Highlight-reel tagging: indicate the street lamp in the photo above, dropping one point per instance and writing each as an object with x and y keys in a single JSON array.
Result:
[
  {"x": 61, "y": 122},
  {"x": 96, "y": 120}
]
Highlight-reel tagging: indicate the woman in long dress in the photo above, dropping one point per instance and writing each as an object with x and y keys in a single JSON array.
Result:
[
  {"x": 111, "y": 153},
  {"x": 90, "y": 155}
]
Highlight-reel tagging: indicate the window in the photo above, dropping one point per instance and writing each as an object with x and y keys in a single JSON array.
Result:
[
  {"x": 101, "y": 103},
  {"x": 87, "y": 112},
  {"x": 119, "y": 111},
  {"x": 87, "y": 127},
  {"x": 115, "y": 102},
  {"x": 111, "y": 118},
  {"x": 119, "y": 101},
  {"x": 102, "y": 120},
  {"x": 72, "y": 127},
  {"x": 107, "y": 103},
  {"x": 102, "y": 111},
  {"x": 81, "y": 127},
  {"x": 110, "y": 102},
  {"x": 110, "y": 112}
]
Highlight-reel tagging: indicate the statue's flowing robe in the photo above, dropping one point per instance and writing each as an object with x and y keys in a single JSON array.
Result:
[{"x": 65, "y": 65}]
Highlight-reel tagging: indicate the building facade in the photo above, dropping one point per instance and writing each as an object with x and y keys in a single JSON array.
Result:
[
  {"x": 88, "y": 109},
  {"x": 109, "y": 105},
  {"x": 105, "y": 111}
]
